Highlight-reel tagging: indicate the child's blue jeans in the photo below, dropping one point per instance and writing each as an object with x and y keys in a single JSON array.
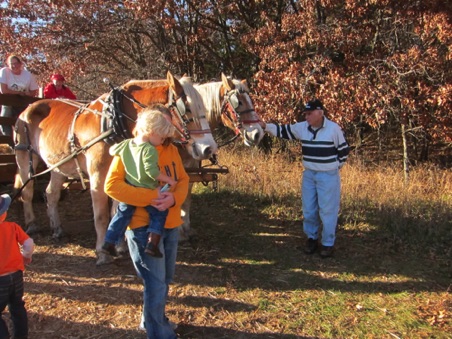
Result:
[{"x": 120, "y": 221}]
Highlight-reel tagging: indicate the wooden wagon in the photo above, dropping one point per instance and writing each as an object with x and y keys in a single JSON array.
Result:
[{"x": 8, "y": 167}]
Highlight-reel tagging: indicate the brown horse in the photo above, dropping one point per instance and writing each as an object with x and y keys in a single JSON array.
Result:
[
  {"x": 70, "y": 139},
  {"x": 228, "y": 104}
]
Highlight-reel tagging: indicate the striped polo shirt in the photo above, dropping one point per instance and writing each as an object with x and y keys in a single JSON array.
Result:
[{"x": 323, "y": 149}]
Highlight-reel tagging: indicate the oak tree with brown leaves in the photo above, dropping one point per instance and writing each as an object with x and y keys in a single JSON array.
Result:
[{"x": 382, "y": 68}]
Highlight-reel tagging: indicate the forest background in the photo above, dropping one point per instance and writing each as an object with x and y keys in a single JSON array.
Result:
[{"x": 383, "y": 69}]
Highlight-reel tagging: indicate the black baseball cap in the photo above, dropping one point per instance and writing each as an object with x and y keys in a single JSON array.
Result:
[{"x": 313, "y": 105}]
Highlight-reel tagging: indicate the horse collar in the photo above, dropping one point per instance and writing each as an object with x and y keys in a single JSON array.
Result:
[{"x": 114, "y": 118}]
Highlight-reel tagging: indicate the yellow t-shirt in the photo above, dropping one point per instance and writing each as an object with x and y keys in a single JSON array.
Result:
[{"x": 170, "y": 163}]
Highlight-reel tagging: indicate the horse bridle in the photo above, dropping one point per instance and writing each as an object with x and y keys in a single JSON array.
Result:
[
  {"x": 229, "y": 109},
  {"x": 179, "y": 109}
]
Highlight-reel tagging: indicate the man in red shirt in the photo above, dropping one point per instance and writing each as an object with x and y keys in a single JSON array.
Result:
[
  {"x": 57, "y": 89},
  {"x": 13, "y": 259}
]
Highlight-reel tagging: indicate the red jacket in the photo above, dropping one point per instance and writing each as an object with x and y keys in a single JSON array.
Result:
[{"x": 50, "y": 92}]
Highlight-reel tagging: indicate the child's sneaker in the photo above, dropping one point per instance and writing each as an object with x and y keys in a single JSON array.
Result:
[
  {"x": 153, "y": 250},
  {"x": 109, "y": 248}
]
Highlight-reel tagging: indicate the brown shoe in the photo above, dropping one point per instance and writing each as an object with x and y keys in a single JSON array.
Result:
[
  {"x": 327, "y": 251},
  {"x": 152, "y": 247},
  {"x": 153, "y": 251}
]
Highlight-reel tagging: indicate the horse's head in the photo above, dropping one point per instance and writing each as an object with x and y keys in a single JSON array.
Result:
[
  {"x": 189, "y": 117},
  {"x": 238, "y": 111},
  {"x": 229, "y": 104}
]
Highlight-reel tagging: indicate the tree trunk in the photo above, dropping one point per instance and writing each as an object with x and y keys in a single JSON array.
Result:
[{"x": 406, "y": 163}]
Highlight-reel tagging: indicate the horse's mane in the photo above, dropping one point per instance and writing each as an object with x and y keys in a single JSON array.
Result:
[
  {"x": 193, "y": 96},
  {"x": 132, "y": 84},
  {"x": 211, "y": 93}
]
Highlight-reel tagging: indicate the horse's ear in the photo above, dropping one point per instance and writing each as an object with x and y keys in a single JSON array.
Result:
[
  {"x": 245, "y": 85},
  {"x": 174, "y": 84},
  {"x": 227, "y": 83},
  {"x": 170, "y": 78}
]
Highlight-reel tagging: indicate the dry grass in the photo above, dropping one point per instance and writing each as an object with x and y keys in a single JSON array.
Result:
[{"x": 243, "y": 276}]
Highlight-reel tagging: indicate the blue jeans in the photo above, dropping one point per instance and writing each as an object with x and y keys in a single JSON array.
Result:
[
  {"x": 157, "y": 274},
  {"x": 321, "y": 194},
  {"x": 120, "y": 221},
  {"x": 11, "y": 294}
]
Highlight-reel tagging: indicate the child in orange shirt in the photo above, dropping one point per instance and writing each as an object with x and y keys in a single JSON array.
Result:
[{"x": 13, "y": 259}]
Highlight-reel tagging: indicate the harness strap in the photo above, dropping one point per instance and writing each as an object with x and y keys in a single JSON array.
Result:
[
  {"x": 114, "y": 118},
  {"x": 71, "y": 135},
  {"x": 80, "y": 173},
  {"x": 30, "y": 154},
  {"x": 74, "y": 154},
  {"x": 73, "y": 147}
]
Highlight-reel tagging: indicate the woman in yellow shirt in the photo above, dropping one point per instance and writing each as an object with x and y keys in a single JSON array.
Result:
[{"x": 156, "y": 273}]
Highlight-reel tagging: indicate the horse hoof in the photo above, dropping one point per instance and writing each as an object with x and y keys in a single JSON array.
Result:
[
  {"x": 103, "y": 259},
  {"x": 58, "y": 235},
  {"x": 186, "y": 235},
  {"x": 122, "y": 247},
  {"x": 193, "y": 239},
  {"x": 183, "y": 238},
  {"x": 32, "y": 229},
  {"x": 122, "y": 255}
]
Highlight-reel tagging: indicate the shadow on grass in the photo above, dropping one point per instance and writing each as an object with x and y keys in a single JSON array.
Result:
[
  {"x": 57, "y": 328},
  {"x": 238, "y": 245},
  {"x": 198, "y": 332}
]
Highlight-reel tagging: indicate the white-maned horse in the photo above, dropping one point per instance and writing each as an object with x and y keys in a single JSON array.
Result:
[{"x": 228, "y": 104}]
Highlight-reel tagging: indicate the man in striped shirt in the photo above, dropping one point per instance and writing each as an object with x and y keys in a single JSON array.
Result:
[{"x": 324, "y": 151}]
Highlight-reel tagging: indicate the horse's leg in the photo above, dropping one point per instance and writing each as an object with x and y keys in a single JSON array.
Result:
[
  {"x": 185, "y": 231},
  {"x": 53, "y": 193},
  {"x": 101, "y": 212},
  {"x": 22, "y": 159}
]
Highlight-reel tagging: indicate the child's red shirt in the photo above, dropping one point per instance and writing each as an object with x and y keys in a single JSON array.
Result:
[{"x": 11, "y": 235}]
